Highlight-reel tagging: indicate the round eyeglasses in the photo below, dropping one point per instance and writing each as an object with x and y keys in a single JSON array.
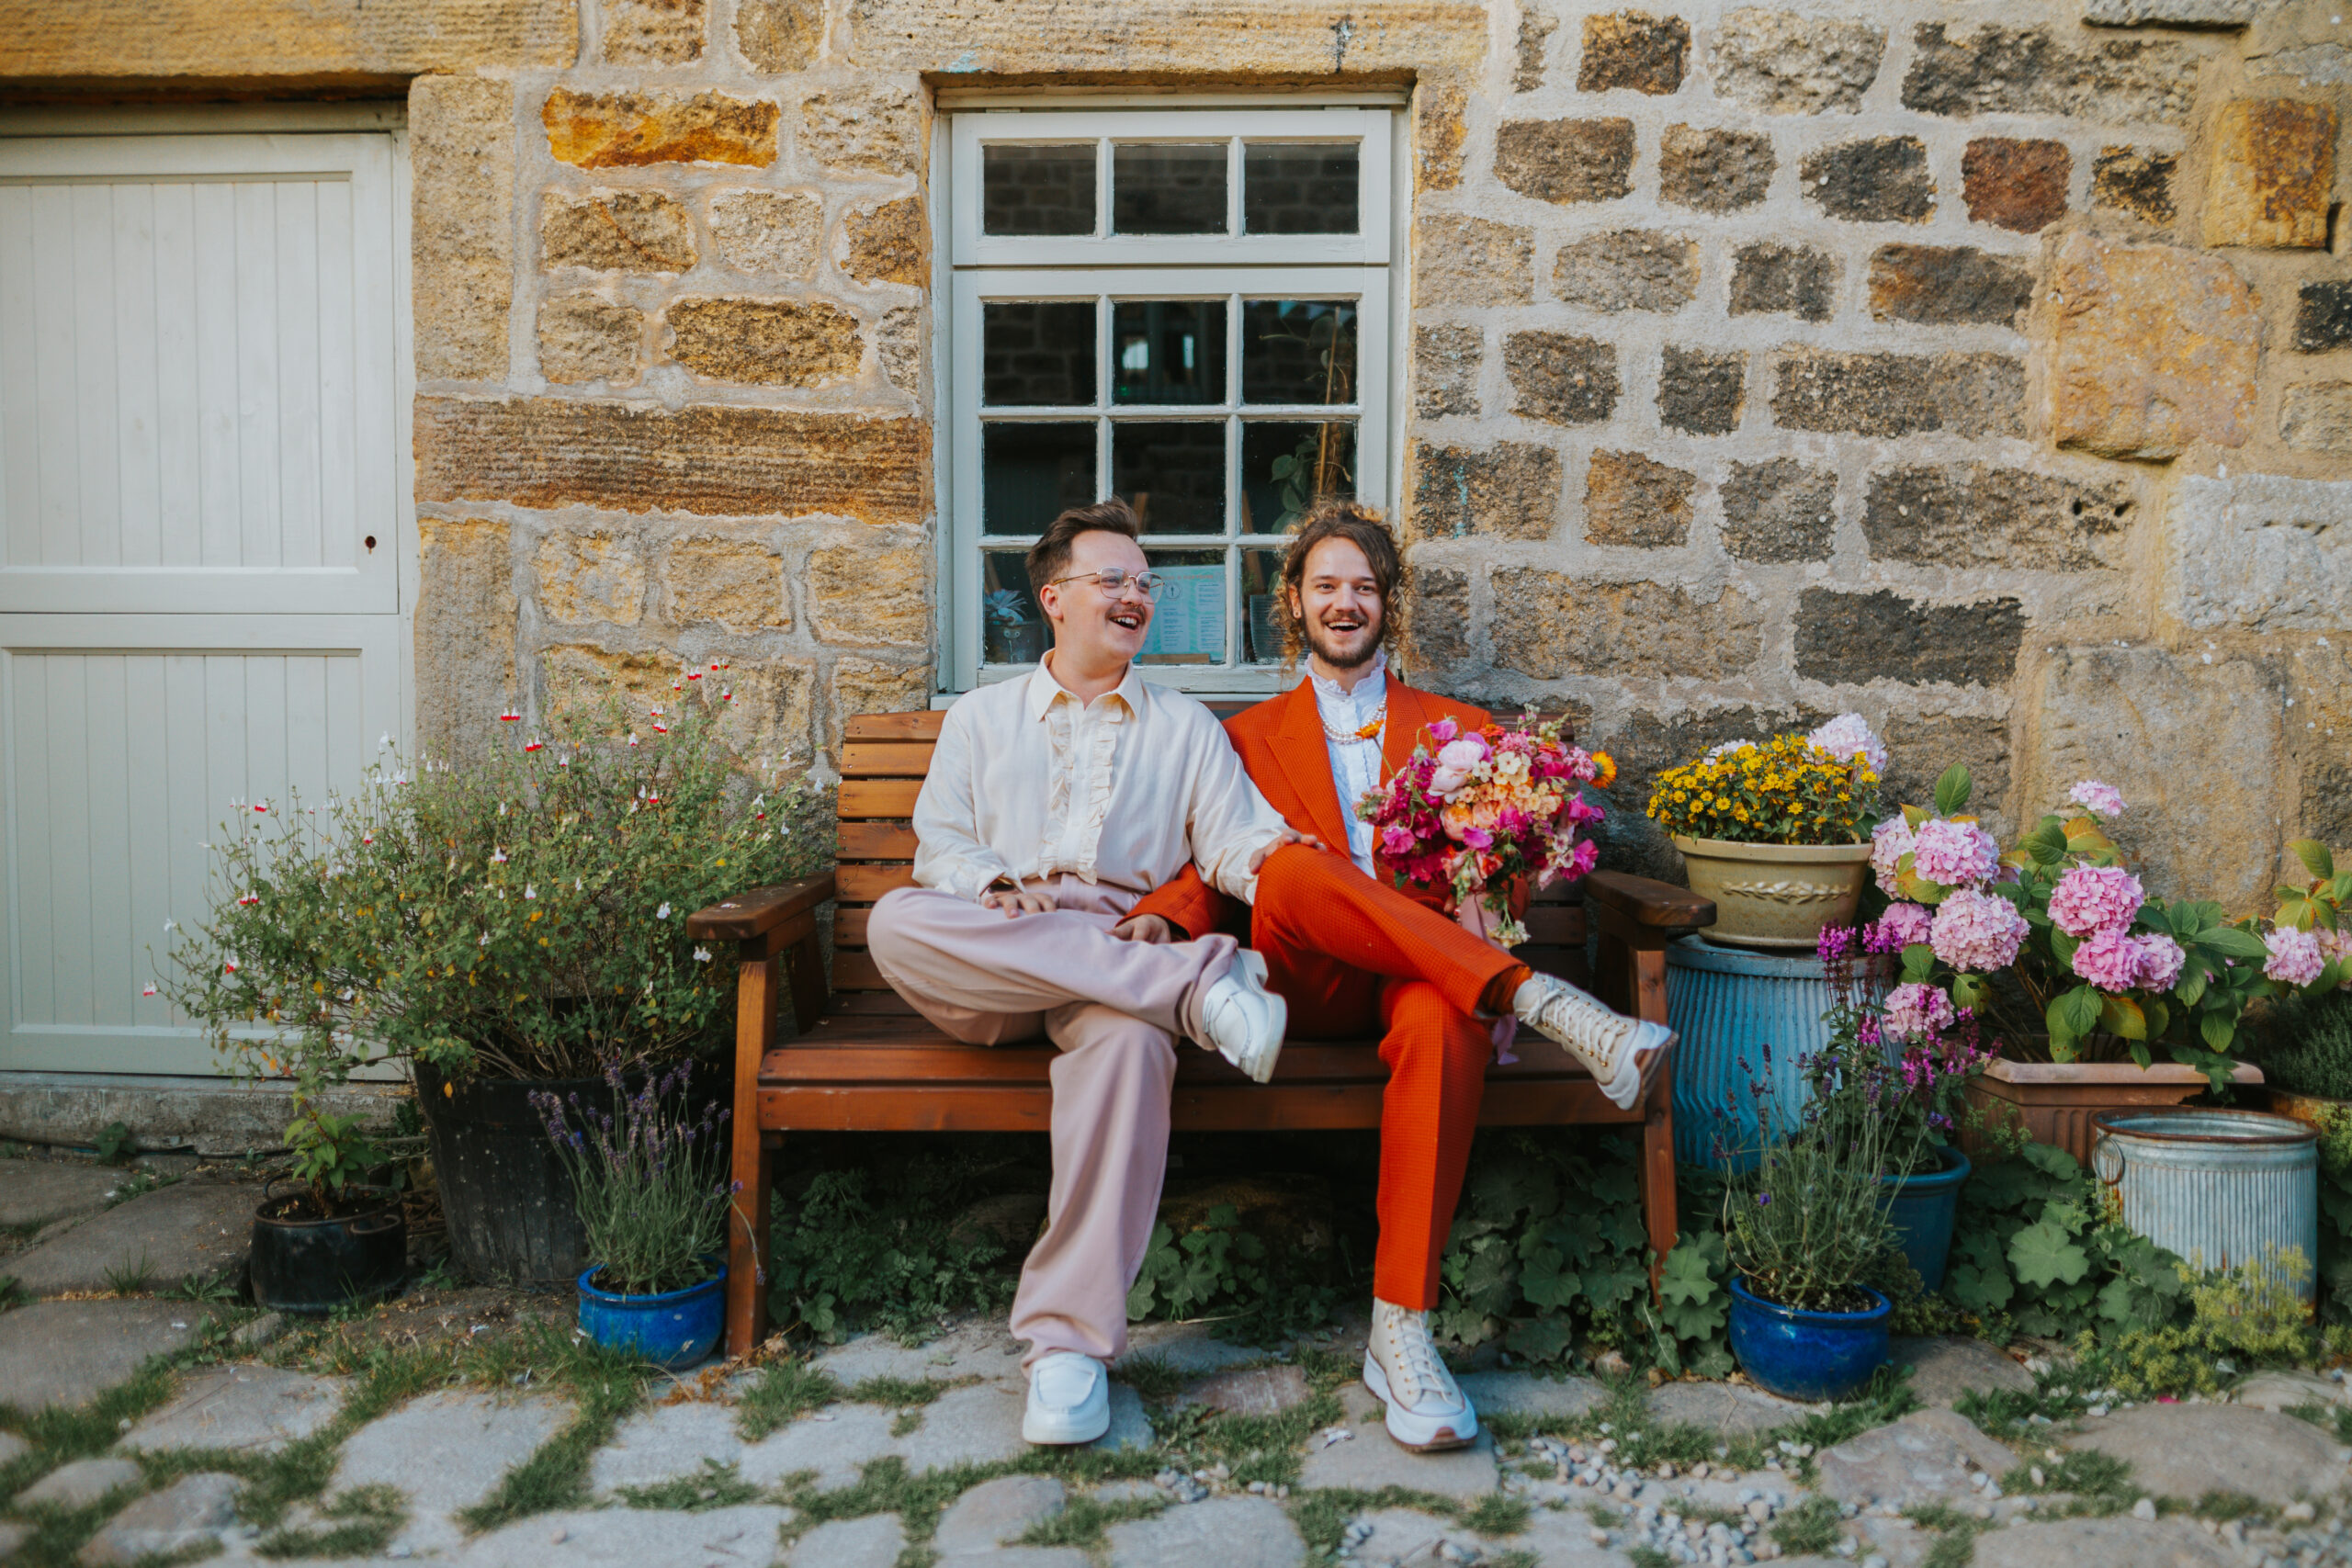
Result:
[{"x": 1115, "y": 581}]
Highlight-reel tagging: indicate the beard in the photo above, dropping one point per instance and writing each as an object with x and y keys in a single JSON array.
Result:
[{"x": 1352, "y": 652}]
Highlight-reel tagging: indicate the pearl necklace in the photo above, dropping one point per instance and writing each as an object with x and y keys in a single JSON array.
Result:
[{"x": 1367, "y": 732}]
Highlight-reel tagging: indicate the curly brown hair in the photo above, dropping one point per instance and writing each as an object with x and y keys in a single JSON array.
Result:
[{"x": 1341, "y": 517}]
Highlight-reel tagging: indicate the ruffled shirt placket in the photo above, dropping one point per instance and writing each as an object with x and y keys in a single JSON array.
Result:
[
  {"x": 1355, "y": 767},
  {"x": 1085, "y": 743}
]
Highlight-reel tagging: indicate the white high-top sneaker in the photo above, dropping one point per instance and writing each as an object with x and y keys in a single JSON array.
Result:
[
  {"x": 1426, "y": 1408},
  {"x": 1069, "y": 1400},
  {"x": 1244, "y": 1020},
  {"x": 1610, "y": 1046}
]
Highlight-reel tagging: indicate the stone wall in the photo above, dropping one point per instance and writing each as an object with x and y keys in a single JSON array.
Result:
[{"x": 1985, "y": 368}]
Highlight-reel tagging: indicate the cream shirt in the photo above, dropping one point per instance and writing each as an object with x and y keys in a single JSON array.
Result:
[
  {"x": 1355, "y": 767},
  {"x": 1028, "y": 783}
]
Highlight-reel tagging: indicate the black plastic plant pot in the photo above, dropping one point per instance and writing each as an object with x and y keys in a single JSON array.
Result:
[{"x": 313, "y": 1266}]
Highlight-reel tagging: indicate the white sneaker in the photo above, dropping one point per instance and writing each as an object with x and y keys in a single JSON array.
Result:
[
  {"x": 1426, "y": 1408},
  {"x": 1244, "y": 1020},
  {"x": 1609, "y": 1044},
  {"x": 1069, "y": 1400}
]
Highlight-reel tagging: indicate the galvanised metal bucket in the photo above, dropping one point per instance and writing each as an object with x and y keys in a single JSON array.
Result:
[
  {"x": 1729, "y": 1004},
  {"x": 2221, "y": 1188}
]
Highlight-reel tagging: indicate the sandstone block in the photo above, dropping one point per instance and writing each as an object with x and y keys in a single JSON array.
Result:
[
  {"x": 765, "y": 342},
  {"x": 586, "y": 337},
  {"x": 717, "y": 459},
  {"x": 461, "y": 151},
  {"x": 2171, "y": 13},
  {"x": 773, "y": 232},
  {"x": 1899, "y": 394},
  {"x": 897, "y": 343},
  {"x": 653, "y": 32},
  {"x": 1548, "y": 625},
  {"x": 1923, "y": 1458},
  {"x": 1715, "y": 171},
  {"x": 1768, "y": 279},
  {"x": 2271, "y": 166},
  {"x": 1779, "y": 511},
  {"x": 1855, "y": 639},
  {"x": 867, "y": 593},
  {"x": 1883, "y": 180},
  {"x": 2318, "y": 418},
  {"x": 1781, "y": 62},
  {"x": 888, "y": 244},
  {"x": 1438, "y": 136},
  {"x": 1635, "y": 269},
  {"x": 465, "y": 632},
  {"x": 615, "y": 231},
  {"x": 2318, "y": 64},
  {"x": 1471, "y": 260},
  {"x": 780, "y": 35},
  {"x": 1700, "y": 390},
  {"x": 864, "y": 132},
  {"x": 2260, "y": 551},
  {"x": 866, "y": 685},
  {"x": 2323, "y": 317},
  {"x": 1918, "y": 750},
  {"x": 1947, "y": 285},
  {"x": 2013, "y": 184},
  {"x": 1437, "y": 617},
  {"x": 593, "y": 576},
  {"x": 1647, "y": 741},
  {"x": 1974, "y": 514},
  {"x": 288, "y": 45},
  {"x": 2136, "y": 180},
  {"x": 1537, "y": 26},
  {"x": 1561, "y": 378},
  {"x": 2151, "y": 347},
  {"x": 1508, "y": 490},
  {"x": 737, "y": 583},
  {"x": 1987, "y": 69},
  {"x": 1634, "y": 51},
  {"x": 1630, "y": 498},
  {"x": 1565, "y": 161},
  {"x": 769, "y": 719},
  {"x": 1445, "y": 369},
  {"x": 614, "y": 130}
]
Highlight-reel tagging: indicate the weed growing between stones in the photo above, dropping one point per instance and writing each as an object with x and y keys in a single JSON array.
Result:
[
  {"x": 2091, "y": 1482},
  {"x": 1150, "y": 1376},
  {"x": 905, "y": 1394},
  {"x": 886, "y": 1486},
  {"x": 606, "y": 1387},
  {"x": 2223, "y": 1506},
  {"x": 785, "y": 1392},
  {"x": 1648, "y": 1557},
  {"x": 1495, "y": 1514},
  {"x": 1082, "y": 1521},
  {"x": 1809, "y": 1528},
  {"x": 365, "y": 1519},
  {"x": 1255, "y": 1447},
  {"x": 13, "y": 1293},
  {"x": 1322, "y": 1516},
  {"x": 719, "y": 1486},
  {"x": 2337, "y": 1419}
]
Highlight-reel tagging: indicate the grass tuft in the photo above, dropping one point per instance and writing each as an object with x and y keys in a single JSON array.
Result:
[
  {"x": 785, "y": 1392},
  {"x": 1151, "y": 1376},
  {"x": 366, "y": 1518},
  {"x": 1810, "y": 1528},
  {"x": 719, "y": 1486},
  {"x": 1084, "y": 1520}
]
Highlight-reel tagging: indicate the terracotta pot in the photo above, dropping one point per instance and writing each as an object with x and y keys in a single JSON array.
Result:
[
  {"x": 1775, "y": 894},
  {"x": 2054, "y": 1101},
  {"x": 2311, "y": 1109}
]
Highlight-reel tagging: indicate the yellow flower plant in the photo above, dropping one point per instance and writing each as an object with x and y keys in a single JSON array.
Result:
[{"x": 1786, "y": 790}]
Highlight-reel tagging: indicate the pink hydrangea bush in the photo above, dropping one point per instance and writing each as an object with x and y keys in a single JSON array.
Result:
[
  {"x": 1976, "y": 931},
  {"x": 1954, "y": 853},
  {"x": 2091, "y": 899}
]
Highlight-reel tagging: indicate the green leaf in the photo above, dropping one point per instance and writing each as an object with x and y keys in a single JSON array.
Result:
[
  {"x": 2080, "y": 1010},
  {"x": 2061, "y": 948},
  {"x": 1540, "y": 1338},
  {"x": 2121, "y": 1016},
  {"x": 2232, "y": 941},
  {"x": 1919, "y": 961},
  {"x": 1546, "y": 1283},
  {"x": 2190, "y": 985},
  {"x": 1691, "y": 1304},
  {"x": 1971, "y": 991},
  {"x": 2047, "y": 843},
  {"x": 2315, "y": 857},
  {"x": 1952, "y": 789},
  {"x": 1979, "y": 1290},
  {"x": 2218, "y": 1030},
  {"x": 2044, "y": 1254}
]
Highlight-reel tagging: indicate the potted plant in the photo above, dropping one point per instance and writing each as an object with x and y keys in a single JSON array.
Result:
[
  {"x": 1013, "y": 636},
  {"x": 505, "y": 924},
  {"x": 1775, "y": 832},
  {"x": 648, "y": 1184},
  {"x": 2303, "y": 1041},
  {"x": 336, "y": 1239}
]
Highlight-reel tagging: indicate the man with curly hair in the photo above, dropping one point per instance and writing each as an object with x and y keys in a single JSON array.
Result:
[{"x": 1354, "y": 954}]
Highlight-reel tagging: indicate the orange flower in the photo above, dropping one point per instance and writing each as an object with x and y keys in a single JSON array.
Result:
[{"x": 1607, "y": 766}]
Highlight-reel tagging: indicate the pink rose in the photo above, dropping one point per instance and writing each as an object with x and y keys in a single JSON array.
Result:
[
  {"x": 1395, "y": 841},
  {"x": 1462, "y": 755},
  {"x": 1443, "y": 730},
  {"x": 2295, "y": 957},
  {"x": 2093, "y": 899},
  {"x": 1977, "y": 931},
  {"x": 2109, "y": 960},
  {"x": 1954, "y": 854}
]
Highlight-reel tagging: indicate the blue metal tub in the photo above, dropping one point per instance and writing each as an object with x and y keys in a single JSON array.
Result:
[{"x": 2221, "y": 1188}]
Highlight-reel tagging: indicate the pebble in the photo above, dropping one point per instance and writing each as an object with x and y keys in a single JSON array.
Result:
[{"x": 2145, "y": 1508}]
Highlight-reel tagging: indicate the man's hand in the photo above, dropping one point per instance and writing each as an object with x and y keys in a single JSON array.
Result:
[
  {"x": 1290, "y": 836},
  {"x": 1145, "y": 928},
  {"x": 1014, "y": 904}
]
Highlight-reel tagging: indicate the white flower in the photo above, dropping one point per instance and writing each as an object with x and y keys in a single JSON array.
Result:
[
  {"x": 484, "y": 941},
  {"x": 702, "y": 955},
  {"x": 529, "y": 891},
  {"x": 497, "y": 857},
  {"x": 148, "y": 992},
  {"x": 384, "y": 741},
  {"x": 170, "y": 926},
  {"x": 1847, "y": 734},
  {"x": 662, "y": 913}
]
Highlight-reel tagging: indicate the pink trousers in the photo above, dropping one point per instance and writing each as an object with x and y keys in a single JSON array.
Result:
[{"x": 1115, "y": 1009}]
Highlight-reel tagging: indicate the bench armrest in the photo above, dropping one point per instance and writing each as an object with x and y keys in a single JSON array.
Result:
[
  {"x": 749, "y": 916},
  {"x": 1641, "y": 901}
]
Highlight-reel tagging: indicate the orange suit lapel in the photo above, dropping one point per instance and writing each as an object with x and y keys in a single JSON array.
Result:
[
  {"x": 1298, "y": 746},
  {"x": 1408, "y": 714}
]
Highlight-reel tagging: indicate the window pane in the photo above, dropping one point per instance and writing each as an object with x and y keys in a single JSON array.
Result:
[
  {"x": 1029, "y": 473},
  {"x": 1173, "y": 475},
  {"x": 1298, "y": 351},
  {"x": 1290, "y": 188},
  {"x": 1188, "y": 622},
  {"x": 1262, "y": 627},
  {"x": 1285, "y": 465},
  {"x": 1169, "y": 351},
  {"x": 1161, "y": 189},
  {"x": 1012, "y": 629},
  {"x": 1037, "y": 351},
  {"x": 1037, "y": 190}
]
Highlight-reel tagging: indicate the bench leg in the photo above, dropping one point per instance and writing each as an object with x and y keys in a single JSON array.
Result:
[
  {"x": 747, "y": 1222},
  {"x": 1659, "y": 1214}
]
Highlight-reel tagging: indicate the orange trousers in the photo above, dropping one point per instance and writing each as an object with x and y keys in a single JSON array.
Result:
[{"x": 1346, "y": 953}]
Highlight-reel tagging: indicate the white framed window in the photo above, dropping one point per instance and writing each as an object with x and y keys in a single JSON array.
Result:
[{"x": 1187, "y": 307}]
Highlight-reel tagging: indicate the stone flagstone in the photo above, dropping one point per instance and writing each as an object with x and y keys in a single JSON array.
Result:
[
  {"x": 1187, "y": 1347},
  {"x": 81, "y": 1483},
  {"x": 1021, "y": 1557},
  {"x": 12, "y": 1448},
  {"x": 1944, "y": 1367},
  {"x": 2286, "y": 1390},
  {"x": 836, "y": 1443},
  {"x": 874, "y": 1541},
  {"x": 1726, "y": 1409},
  {"x": 978, "y": 1349},
  {"x": 978, "y": 1424},
  {"x": 2122, "y": 1541},
  {"x": 633, "y": 1538},
  {"x": 1923, "y": 1457},
  {"x": 997, "y": 1511},
  {"x": 446, "y": 1452},
  {"x": 1563, "y": 1539},
  {"x": 12, "y": 1539},
  {"x": 2186, "y": 1451},
  {"x": 68, "y": 1352},
  {"x": 1130, "y": 1427},
  {"x": 188, "y": 1514},
  {"x": 667, "y": 1441},
  {"x": 202, "y": 1228},
  {"x": 1523, "y": 1393},
  {"x": 247, "y": 1408},
  {"x": 1371, "y": 1458},
  {"x": 1402, "y": 1535},
  {"x": 1224, "y": 1532},
  {"x": 36, "y": 1192},
  {"x": 1249, "y": 1391}
]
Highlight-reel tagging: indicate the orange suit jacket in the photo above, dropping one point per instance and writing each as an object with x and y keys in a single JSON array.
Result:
[{"x": 1283, "y": 749}]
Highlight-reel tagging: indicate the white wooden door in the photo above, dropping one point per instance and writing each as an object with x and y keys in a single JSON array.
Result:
[{"x": 201, "y": 501}]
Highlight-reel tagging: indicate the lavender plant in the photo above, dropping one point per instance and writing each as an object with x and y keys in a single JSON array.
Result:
[
  {"x": 1808, "y": 1225},
  {"x": 647, "y": 1181}
]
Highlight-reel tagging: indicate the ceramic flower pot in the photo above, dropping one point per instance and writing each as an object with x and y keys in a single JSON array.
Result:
[
  {"x": 1807, "y": 1355},
  {"x": 1922, "y": 1208},
  {"x": 675, "y": 1330},
  {"x": 1775, "y": 894},
  {"x": 2054, "y": 1101}
]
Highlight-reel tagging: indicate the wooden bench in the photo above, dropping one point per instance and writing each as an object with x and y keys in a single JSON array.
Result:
[{"x": 864, "y": 1061}]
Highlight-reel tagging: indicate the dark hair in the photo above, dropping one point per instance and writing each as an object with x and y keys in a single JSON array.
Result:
[
  {"x": 1341, "y": 517},
  {"x": 1049, "y": 556}
]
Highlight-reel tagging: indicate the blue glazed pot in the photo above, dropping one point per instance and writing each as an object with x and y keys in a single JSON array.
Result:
[
  {"x": 1921, "y": 1209},
  {"x": 1807, "y": 1355},
  {"x": 1744, "y": 1018},
  {"x": 674, "y": 1330}
]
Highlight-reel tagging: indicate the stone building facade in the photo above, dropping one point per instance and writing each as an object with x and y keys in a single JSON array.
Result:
[{"x": 1985, "y": 368}]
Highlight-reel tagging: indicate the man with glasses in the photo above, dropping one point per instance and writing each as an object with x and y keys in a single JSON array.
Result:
[{"x": 1053, "y": 803}]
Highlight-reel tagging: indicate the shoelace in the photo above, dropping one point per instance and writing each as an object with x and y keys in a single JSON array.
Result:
[
  {"x": 1603, "y": 1033},
  {"x": 1422, "y": 1373}
]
